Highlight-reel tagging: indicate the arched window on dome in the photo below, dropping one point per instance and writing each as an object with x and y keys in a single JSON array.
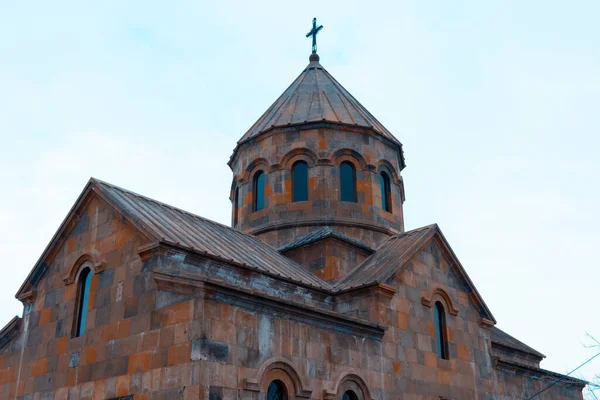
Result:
[
  {"x": 439, "y": 319},
  {"x": 349, "y": 395},
  {"x": 259, "y": 191},
  {"x": 236, "y": 206},
  {"x": 276, "y": 391},
  {"x": 300, "y": 181},
  {"x": 348, "y": 181},
  {"x": 386, "y": 193},
  {"x": 83, "y": 300}
]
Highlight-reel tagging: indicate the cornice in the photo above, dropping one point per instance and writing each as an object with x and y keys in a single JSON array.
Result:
[{"x": 218, "y": 290}]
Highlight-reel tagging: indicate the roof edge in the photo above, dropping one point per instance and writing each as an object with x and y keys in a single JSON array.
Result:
[{"x": 8, "y": 330}]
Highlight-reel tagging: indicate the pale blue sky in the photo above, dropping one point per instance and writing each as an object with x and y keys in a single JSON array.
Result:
[{"x": 496, "y": 104}]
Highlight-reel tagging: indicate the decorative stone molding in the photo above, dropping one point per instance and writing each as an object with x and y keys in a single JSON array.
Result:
[
  {"x": 486, "y": 323},
  {"x": 92, "y": 259},
  {"x": 349, "y": 155},
  {"x": 348, "y": 381},
  {"x": 261, "y": 380},
  {"x": 199, "y": 285},
  {"x": 28, "y": 296},
  {"x": 427, "y": 299},
  {"x": 294, "y": 155}
]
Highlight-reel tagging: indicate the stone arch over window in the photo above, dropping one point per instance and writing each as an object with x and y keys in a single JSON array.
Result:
[
  {"x": 353, "y": 156},
  {"x": 385, "y": 165},
  {"x": 437, "y": 293},
  {"x": 94, "y": 261},
  {"x": 295, "y": 155},
  {"x": 350, "y": 386},
  {"x": 258, "y": 164},
  {"x": 282, "y": 372}
]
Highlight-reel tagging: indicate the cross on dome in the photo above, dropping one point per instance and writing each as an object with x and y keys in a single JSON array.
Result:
[{"x": 313, "y": 32}]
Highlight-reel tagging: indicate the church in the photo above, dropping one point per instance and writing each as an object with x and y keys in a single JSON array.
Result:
[{"x": 316, "y": 290}]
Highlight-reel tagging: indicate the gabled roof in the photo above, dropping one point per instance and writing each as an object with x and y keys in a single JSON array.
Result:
[
  {"x": 323, "y": 234},
  {"x": 391, "y": 256},
  {"x": 166, "y": 224},
  {"x": 315, "y": 96},
  {"x": 506, "y": 340},
  {"x": 9, "y": 331}
]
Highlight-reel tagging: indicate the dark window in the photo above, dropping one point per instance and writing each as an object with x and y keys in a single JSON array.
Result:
[
  {"x": 440, "y": 330},
  {"x": 236, "y": 205},
  {"x": 348, "y": 181},
  {"x": 85, "y": 281},
  {"x": 300, "y": 181},
  {"x": 386, "y": 195},
  {"x": 276, "y": 391},
  {"x": 259, "y": 191},
  {"x": 350, "y": 395}
]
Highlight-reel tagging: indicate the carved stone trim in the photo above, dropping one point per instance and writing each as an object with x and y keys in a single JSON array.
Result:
[
  {"x": 324, "y": 222},
  {"x": 486, "y": 323},
  {"x": 357, "y": 382},
  {"x": 200, "y": 285},
  {"x": 95, "y": 263},
  {"x": 28, "y": 296},
  {"x": 278, "y": 363},
  {"x": 427, "y": 299}
]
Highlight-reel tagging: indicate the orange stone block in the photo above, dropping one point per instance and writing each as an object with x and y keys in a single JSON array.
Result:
[
  {"x": 402, "y": 320},
  {"x": 397, "y": 367},
  {"x": 44, "y": 316},
  {"x": 39, "y": 367},
  {"x": 139, "y": 362},
  {"x": 123, "y": 328},
  {"x": 90, "y": 355},
  {"x": 462, "y": 352},
  {"x": 176, "y": 314},
  {"x": 122, "y": 385},
  {"x": 431, "y": 359}
]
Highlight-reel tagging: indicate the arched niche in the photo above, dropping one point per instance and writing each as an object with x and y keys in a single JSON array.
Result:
[
  {"x": 438, "y": 293},
  {"x": 90, "y": 259},
  {"x": 299, "y": 154},
  {"x": 282, "y": 370},
  {"x": 349, "y": 382}
]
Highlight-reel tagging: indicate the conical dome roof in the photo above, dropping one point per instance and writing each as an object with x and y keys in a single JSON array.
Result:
[{"x": 315, "y": 96}]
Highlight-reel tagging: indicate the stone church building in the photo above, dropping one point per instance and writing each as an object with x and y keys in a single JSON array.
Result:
[{"x": 316, "y": 291}]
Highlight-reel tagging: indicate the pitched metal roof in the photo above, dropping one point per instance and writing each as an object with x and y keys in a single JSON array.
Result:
[
  {"x": 322, "y": 234},
  {"x": 506, "y": 340},
  {"x": 396, "y": 252},
  {"x": 186, "y": 230},
  {"x": 315, "y": 96},
  {"x": 387, "y": 258}
]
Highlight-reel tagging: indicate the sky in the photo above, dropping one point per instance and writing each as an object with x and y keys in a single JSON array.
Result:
[{"x": 496, "y": 104}]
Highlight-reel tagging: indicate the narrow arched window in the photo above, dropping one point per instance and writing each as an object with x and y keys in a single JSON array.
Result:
[
  {"x": 348, "y": 181},
  {"x": 236, "y": 205},
  {"x": 276, "y": 391},
  {"x": 85, "y": 282},
  {"x": 440, "y": 330},
  {"x": 386, "y": 195},
  {"x": 349, "y": 395},
  {"x": 300, "y": 181},
  {"x": 259, "y": 191}
]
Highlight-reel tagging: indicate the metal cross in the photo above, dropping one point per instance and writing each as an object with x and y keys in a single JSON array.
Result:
[{"x": 313, "y": 32}]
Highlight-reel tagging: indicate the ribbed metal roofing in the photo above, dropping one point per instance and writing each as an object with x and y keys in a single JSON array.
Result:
[
  {"x": 504, "y": 339},
  {"x": 322, "y": 234},
  {"x": 172, "y": 225},
  {"x": 316, "y": 96},
  {"x": 387, "y": 258}
]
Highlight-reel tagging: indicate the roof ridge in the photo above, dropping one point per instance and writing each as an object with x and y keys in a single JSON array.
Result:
[{"x": 168, "y": 206}]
